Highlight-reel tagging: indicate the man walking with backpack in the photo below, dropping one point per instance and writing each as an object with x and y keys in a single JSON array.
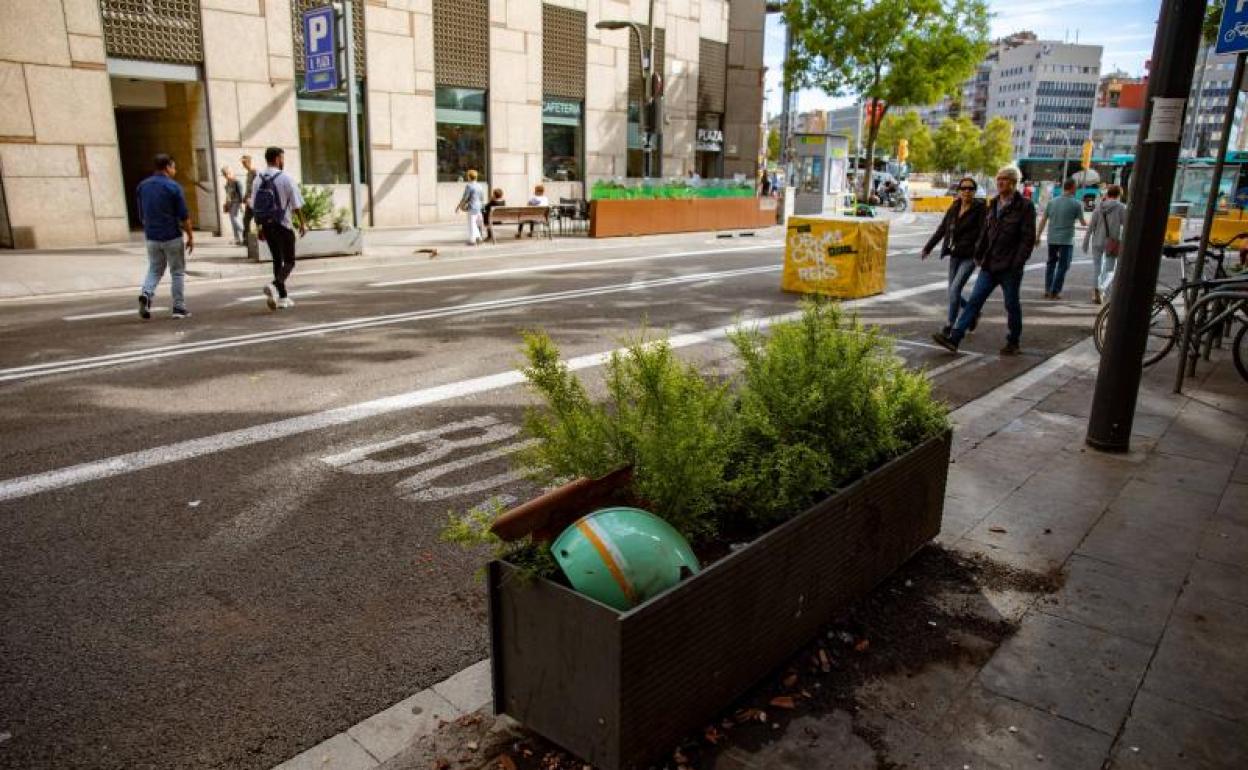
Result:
[
  {"x": 162, "y": 209},
  {"x": 275, "y": 201}
]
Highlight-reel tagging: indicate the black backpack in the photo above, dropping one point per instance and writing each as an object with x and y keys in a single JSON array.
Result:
[{"x": 267, "y": 209}]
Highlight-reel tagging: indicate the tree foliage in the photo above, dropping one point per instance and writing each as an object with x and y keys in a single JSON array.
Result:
[
  {"x": 996, "y": 146},
  {"x": 1213, "y": 20},
  {"x": 902, "y": 52},
  {"x": 956, "y": 146},
  {"x": 909, "y": 126},
  {"x": 773, "y": 145}
]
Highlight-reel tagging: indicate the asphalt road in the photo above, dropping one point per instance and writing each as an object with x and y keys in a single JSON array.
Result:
[{"x": 220, "y": 535}]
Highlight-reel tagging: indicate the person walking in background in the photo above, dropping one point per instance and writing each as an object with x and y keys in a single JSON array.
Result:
[
  {"x": 764, "y": 185},
  {"x": 276, "y": 203},
  {"x": 250, "y": 183},
  {"x": 957, "y": 235},
  {"x": 233, "y": 203},
  {"x": 162, "y": 210},
  {"x": 1061, "y": 213},
  {"x": 472, "y": 203},
  {"x": 1002, "y": 251},
  {"x": 538, "y": 198},
  {"x": 496, "y": 200},
  {"x": 1104, "y": 240}
]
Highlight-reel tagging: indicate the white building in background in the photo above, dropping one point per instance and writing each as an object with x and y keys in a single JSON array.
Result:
[
  {"x": 1211, "y": 89},
  {"x": 1047, "y": 89}
]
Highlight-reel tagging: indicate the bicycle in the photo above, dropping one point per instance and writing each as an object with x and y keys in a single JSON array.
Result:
[{"x": 1164, "y": 326}]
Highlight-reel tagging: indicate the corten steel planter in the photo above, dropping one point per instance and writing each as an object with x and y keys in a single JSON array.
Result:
[
  {"x": 619, "y": 689},
  {"x": 611, "y": 218}
]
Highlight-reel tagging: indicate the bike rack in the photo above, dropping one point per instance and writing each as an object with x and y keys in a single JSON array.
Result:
[{"x": 1189, "y": 320}]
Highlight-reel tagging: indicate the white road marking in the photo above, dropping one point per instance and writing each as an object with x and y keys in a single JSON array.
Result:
[
  {"x": 188, "y": 348},
  {"x": 111, "y": 314},
  {"x": 262, "y": 297},
  {"x": 566, "y": 266},
  {"x": 131, "y": 462}
]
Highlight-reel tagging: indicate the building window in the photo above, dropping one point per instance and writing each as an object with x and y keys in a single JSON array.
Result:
[
  {"x": 562, "y": 139},
  {"x": 460, "y": 114},
  {"x": 322, "y": 119}
]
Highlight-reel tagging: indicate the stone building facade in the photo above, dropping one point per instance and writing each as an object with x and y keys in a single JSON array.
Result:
[{"x": 525, "y": 91}]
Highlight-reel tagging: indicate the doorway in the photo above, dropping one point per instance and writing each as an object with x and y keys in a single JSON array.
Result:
[{"x": 171, "y": 117}]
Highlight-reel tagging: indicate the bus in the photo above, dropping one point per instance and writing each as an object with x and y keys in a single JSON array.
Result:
[{"x": 1191, "y": 185}]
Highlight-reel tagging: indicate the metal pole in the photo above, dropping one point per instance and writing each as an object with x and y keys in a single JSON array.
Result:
[
  {"x": 651, "y": 97},
  {"x": 1118, "y": 379},
  {"x": 353, "y": 112},
  {"x": 1211, "y": 210}
]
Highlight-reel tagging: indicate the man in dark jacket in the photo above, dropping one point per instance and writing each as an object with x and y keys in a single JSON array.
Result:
[
  {"x": 1004, "y": 246},
  {"x": 958, "y": 236}
]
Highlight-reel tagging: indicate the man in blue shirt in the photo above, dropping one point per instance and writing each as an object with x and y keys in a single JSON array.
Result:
[
  {"x": 162, "y": 210},
  {"x": 1061, "y": 215}
]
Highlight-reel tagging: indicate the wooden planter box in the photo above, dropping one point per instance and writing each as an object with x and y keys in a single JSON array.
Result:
[
  {"x": 611, "y": 218},
  {"x": 618, "y": 689}
]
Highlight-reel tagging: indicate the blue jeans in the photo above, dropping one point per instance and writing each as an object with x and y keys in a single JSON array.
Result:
[
  {"x": 1011, "y": 283},
  {"x": 959, "y": 273},
  {"x": 162, "y": 254},
  {"x": 1055, "y": 269}
]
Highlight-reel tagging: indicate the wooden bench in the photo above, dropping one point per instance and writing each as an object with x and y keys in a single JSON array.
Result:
[{"x": 539, "y": 216}]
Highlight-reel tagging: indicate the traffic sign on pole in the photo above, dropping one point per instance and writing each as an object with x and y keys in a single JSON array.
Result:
[
  {"x": 320, "y": 54},
  {"x": 1233, "y": 32}
]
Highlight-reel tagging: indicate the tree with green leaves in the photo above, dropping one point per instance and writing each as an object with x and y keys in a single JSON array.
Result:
[
  {"x": 773, "y": 145},
  {"x": 909, "y": 126},
  {"x": 1213, "y": 20},
  {"x": 899, "y": 52},
  {"x": 996, "y": 146},
  {"x": 956, "y": 146}
]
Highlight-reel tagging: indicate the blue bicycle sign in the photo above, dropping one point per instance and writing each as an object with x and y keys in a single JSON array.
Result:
[{"x": 1233, "y": 32}]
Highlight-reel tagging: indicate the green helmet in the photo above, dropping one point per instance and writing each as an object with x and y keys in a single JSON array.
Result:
[{"x": 623, "y": 556}]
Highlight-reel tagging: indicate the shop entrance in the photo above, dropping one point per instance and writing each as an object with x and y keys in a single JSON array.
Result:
[{"x": 166, "y": 114}]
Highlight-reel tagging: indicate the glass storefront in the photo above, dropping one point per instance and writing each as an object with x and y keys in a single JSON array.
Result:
[
  {"x": 323, "y": 136},
  {"x": 563, "y": 143},
  {"x": 461, "y": 132},
  {"x": 709, "y": 146}
]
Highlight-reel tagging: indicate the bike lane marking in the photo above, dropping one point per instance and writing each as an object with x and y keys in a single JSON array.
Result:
[{"x": 131, "y": 462}]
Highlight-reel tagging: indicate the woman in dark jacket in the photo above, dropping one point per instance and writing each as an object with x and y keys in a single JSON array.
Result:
[{"x": 958, "y": 233}]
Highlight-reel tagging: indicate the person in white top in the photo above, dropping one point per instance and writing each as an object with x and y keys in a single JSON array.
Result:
[
  {"x": 275, "y": 204},
  {"x": 537, "y": 199}
]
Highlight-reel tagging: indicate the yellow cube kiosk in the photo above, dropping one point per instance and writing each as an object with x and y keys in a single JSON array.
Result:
[{"x": 835, "y": 256}]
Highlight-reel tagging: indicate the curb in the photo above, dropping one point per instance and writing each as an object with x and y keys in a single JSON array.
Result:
[{"x": 386, "y": 734}]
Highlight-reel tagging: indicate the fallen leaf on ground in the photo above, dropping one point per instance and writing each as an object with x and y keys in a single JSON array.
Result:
[
  {"x": 783, "y": 702},
  {"x": 504, "y": 762},
  {"x": 998, "y": 530},
  {"x": 824, "y": 663},
  {"x": 790, "y": 681},
  {"x": 712, "y": 735},
  {"x": 862, "y": 645}
]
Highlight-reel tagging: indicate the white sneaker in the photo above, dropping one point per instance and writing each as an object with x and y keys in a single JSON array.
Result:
[
  {"x": 270, "y": 296},
  {"x": 285, "y": 303}
]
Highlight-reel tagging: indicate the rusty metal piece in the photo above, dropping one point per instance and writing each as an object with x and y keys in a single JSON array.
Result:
[{"x": 544, "y": 517}]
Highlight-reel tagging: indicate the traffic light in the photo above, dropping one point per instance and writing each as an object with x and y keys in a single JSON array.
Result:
[
  {"x": 1086, "y": 158},
  {"x": 903, "y": 150}
]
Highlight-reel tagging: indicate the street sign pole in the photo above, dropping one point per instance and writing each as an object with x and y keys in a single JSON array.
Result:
[
  {"x": 353, "y": 110},
  {"x": 1121, "y": 367}
]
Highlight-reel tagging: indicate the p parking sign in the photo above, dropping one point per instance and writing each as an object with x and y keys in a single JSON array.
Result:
[
  {"x": 320, "y": 50},
  {"x": 1233, "y": 33}
]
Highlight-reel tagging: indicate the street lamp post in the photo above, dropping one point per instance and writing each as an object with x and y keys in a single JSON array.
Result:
[
  {"x": 1065, "y": 153},
  {"x": 649, "y": 99}
]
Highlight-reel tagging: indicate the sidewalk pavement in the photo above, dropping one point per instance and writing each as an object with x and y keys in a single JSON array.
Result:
[
  {"x": 40, "y": 272},
  {"x": 1136, "y": 661}
]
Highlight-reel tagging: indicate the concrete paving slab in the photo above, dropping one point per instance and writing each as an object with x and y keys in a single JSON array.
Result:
[
  {"x": 470, "y": 689},
  {"x": 1226, "y": 581},
  {"x": 1234, "y": 503},
  {"x": 922, "y": 698},
  {"x": 1115, "y": 599},
  {"x": 1161, "y": 734},
  {"x": 1070, "y": 670},
  {"x": 1206, "y": 433},
  {"x": 1200, "y": 661},
  {"x": 1167, "y": 502},
  {"x": 1240, "y": 475},
  {"x": 1185, "y": 472},
  {"x": 1144, "y": 542},
  {"x": 1225, "y": 541},
  {"x": 1012, "y": 734},
  {"x": 826, "y": 742}
]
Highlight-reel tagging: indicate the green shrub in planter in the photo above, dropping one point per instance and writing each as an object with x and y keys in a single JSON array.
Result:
[{"x": 318, "y": 205}]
